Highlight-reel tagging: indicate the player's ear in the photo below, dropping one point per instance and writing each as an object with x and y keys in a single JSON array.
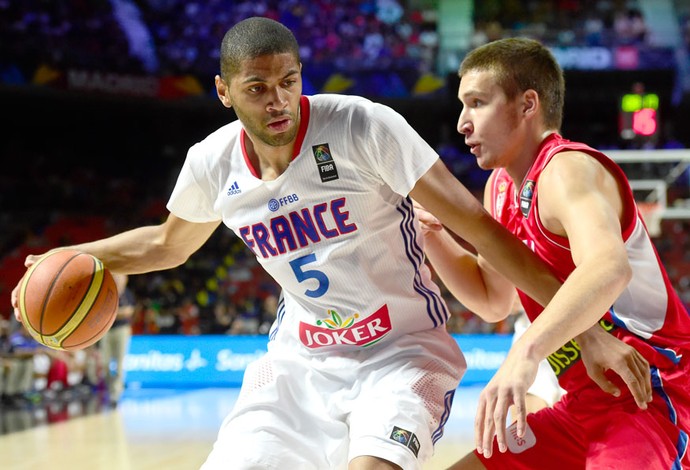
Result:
[
  {"x": 222, "y": 92},
  {"x": 530, "y": 103}
]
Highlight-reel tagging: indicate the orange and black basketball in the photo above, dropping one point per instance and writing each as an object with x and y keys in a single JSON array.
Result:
[{"x": 68, "y": 300}]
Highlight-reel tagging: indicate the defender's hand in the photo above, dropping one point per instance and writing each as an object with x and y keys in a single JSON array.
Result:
[{"x": 601, "y": 351}]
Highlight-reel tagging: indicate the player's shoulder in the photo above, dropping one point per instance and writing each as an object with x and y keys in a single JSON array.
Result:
[
  {"x": 353, "y": 105},
  {"x": 334, "y": 100},
  {"x": 228, "y": 132},
  {"x": 557, "y": 148}
]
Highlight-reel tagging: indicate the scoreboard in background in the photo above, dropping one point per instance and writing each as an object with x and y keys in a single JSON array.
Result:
[{"x": 639, "y": 115}]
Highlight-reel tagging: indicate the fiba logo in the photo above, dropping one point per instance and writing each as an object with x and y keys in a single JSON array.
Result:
[
  {"x": 406, "y": 438},
  {"x": 325, "y": 162},
  {"x": 273, "y": 205},
  {"x": 322, "y": 153}
]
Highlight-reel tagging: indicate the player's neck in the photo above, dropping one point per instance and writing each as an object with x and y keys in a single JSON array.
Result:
[
  {"x": 522, "y": 162},
  {"x": 269, "y": 161}
]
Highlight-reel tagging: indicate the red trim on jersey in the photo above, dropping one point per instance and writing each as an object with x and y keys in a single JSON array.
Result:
[
  {"x": 558, "y": 145},
  {"x": 304, "y": 112},
  {"x": 243, "y": 136}
]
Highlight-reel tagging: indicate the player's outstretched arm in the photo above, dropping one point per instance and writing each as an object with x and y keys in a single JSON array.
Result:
[
  {"x": 480, "y": 288},
  {"x": 435, "y": 191},
  {"x": 143, "y": 249},
  {"x": 486, "y": 292},
  {"x": 149, "y": 248},
  {"x": 459, "y": 210}
]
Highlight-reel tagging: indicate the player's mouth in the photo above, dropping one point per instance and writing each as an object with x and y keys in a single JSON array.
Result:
[
  {"x": 280, "y": 125},
  {"x": 474, "y": 147}
]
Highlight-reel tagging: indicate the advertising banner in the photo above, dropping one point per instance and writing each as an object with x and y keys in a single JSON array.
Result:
[{"x": 218, "y": 361}]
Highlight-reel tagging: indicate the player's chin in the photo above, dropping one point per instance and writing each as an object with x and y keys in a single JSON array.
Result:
[
  {"x": 280, "y": 139},
  {"x": 485, "y": 162}
]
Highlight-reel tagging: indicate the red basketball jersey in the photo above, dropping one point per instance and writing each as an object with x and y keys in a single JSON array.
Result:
[{"x": 649, "y": 314}]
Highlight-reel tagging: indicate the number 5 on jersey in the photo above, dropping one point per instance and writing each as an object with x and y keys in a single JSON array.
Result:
[{"x": 302, "y": 275}]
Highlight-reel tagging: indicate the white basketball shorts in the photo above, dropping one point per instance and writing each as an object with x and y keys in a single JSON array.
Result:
[{"x": 319, "y": 412}]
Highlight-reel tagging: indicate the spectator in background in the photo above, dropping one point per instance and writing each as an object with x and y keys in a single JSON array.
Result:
[
  {"x": 593, "y": 29},
  {"x": 630, "y": 27},
  {"x": 224, "y": 315},
  {"x": 188, "y": 317},
  {"x": 269, "y": 308},
  {"x": 115, "y": 343},
  {"x": 20, "y": 348}
]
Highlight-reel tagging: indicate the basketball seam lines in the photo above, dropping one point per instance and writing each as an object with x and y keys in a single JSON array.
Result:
[
  {"x": 83, "y": 308},
  {"x": 49, "y": 291}
]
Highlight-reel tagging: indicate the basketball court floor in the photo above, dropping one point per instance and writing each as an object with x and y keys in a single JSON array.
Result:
[{"x": 153, "y": 429}]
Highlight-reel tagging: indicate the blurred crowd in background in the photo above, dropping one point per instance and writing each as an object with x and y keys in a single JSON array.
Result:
[{"x": 376, "y": 47}]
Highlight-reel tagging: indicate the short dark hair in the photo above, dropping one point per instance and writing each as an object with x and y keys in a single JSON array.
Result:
[
  {"x": 254, "y": 37},
  {"x": 521, "y": 64}
]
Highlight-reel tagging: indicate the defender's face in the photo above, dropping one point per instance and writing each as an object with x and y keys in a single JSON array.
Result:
[
  {"x": 265, "y": 94},
  {"x": 489, "y": 120}
]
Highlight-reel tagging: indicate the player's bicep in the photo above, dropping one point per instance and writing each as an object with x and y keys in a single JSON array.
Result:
[
  {"x": 580, "y": 200},
  {"x": 185, "y": 237}
]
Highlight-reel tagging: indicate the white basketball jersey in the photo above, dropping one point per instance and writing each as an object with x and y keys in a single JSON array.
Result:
[{"x": 336, "y": 230}]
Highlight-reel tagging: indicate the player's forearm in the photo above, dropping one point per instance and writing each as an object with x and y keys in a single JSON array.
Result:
[
  {"x": 136, "y": 251},
  {"x": 587, "y": 293},
  {"x": 515, "y": 261},
  {"x": 445, "y": 197},
  {"x": 461, "y": 273}
]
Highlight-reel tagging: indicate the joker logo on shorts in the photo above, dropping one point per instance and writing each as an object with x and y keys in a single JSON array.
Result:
[{"x": 353, "y": 330}]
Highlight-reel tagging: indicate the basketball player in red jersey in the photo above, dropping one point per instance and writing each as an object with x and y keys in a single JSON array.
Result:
[{"x": 574, "y": 207}]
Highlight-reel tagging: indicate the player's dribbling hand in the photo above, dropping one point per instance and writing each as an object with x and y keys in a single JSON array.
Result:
[
  {"x": 15, "y": 301},
  {"x": 28, "y": 262}
]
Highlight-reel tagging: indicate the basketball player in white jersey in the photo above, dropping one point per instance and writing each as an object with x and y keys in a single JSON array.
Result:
[{"x": 360, "y": 372}]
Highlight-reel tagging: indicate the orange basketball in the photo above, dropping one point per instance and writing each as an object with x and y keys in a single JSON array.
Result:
[{"x": 68, "y": 300}]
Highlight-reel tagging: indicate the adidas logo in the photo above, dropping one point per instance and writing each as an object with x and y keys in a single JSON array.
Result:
[{"x": 234, "y": 189}]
